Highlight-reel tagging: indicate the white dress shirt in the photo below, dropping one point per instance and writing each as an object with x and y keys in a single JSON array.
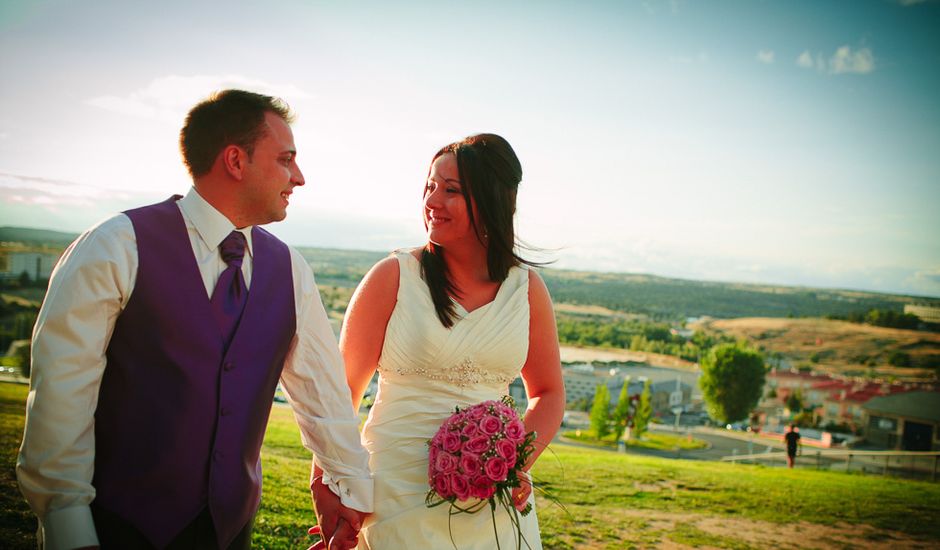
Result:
[{"x": 89, "y": 288}]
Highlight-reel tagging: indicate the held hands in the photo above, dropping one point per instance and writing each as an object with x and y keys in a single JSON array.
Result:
[
  {"x": 338, "y": 526},
  {"x": 342, "y": 537}
]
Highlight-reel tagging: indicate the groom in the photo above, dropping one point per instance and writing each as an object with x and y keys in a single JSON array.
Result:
[{"x": 158, "y": 348}]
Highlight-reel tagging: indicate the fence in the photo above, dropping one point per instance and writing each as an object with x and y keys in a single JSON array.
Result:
[{"x": 920, "y": 464}]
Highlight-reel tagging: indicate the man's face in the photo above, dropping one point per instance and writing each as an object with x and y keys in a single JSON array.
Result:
[{"x": 271, "y": 174}]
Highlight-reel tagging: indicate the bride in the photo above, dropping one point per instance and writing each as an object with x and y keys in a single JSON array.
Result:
[{"x": 447, "y": 325}]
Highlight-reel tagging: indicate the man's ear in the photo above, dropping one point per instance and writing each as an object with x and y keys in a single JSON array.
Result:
[{"x": 234, "y": 159}]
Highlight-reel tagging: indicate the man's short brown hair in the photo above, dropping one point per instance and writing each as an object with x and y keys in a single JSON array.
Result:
[{"x": 229, "y": 117}]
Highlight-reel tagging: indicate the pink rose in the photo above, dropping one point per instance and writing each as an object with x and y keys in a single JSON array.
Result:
[
  {"x": 445, "y": 463},
  {"x": 505, "y": 410},
  {"x": 460, "y": 485},
  {"x": 515, "y": 430},
  {"x": 470, "y": 430},
  {"x": 496, "y": 469},
  {"x": 470, "y": 463},
  {"x": 478, "y": 445},
  {"x": 482, "y": 487},
  {"x": 490, "y": 425},
  {"x": 432, "y": 454},
  {"x": 477, "y": 411},
  {"x": 506, "y": 449},
  {"x": 442, "y": 486},
  {"x": 451, "y": 442}
]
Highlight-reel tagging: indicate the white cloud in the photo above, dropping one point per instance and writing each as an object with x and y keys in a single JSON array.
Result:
[
  {"x": 169, "y": 98},
  {"x": 846, "y": 61},
  {"x": 925, "y": 282},
  {"x": 843, "y": 61},
  {"x": 805, "y": 60},
  {"x": 765, "y": 56}
]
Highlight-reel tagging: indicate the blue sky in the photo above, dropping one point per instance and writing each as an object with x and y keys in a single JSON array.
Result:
[{"x": 777, "y": 142}]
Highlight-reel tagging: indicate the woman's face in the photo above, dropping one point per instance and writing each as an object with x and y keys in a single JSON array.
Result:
[{"x": 445, "y": 210}]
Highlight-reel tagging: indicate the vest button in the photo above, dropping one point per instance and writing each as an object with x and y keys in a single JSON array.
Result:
[
  {"x": 218, "y": 455},
  {"x": 228, "y": 365},
  {"x": 226, "y": 411}
]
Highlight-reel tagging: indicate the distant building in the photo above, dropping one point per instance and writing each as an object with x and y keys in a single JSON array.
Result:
[
  {"x": 928, "y": 314},
  {"x": 36, "y": 265},
  {"x": 832, "y": 400},
  {"x": 660, "y": 393},
  {"x": 517, "y": 392},
  {"x": 581, "y": 382},
  {"x": 908, "y": 421}
]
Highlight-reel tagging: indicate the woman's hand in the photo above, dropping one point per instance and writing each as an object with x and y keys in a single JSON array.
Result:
[{"x": 520, "y": 494}]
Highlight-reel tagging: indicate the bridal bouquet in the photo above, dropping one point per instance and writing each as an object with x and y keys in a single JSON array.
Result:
[{"x": 476, "y": 457}]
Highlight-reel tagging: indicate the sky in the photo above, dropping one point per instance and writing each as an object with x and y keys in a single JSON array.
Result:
[{"x": 782, "y": 142}]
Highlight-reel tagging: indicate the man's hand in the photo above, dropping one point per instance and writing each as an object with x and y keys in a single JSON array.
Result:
[{"x": 336, "y": 534}]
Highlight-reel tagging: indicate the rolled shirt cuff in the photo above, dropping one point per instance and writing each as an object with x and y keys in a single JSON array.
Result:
[
  {"x": 68, "y": 528},
  {"x": 355, "y": 493}
]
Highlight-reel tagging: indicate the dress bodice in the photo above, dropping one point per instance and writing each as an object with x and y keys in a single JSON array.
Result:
[{"x": 485, "y": 348}]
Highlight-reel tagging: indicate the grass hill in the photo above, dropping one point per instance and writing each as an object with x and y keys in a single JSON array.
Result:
[
  {"x": 612, "y": 500},
  {"x": 653, "y": 296},
  {"x": 36, "y": 236},
  {"x": 839, "y": 347}
]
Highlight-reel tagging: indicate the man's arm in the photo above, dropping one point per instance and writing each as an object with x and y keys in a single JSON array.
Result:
[
  {"x": 87, "y": 291},
  {"x": 314, "y": 381}
]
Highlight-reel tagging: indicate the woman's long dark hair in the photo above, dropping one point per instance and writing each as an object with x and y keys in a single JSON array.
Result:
[{"x": 490, "y": 174}]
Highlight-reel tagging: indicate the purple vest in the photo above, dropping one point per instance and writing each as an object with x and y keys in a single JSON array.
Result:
[{"x": 179, "y": 424}]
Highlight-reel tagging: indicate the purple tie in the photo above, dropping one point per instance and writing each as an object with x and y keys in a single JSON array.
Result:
[{"x": 230, "y": 294}]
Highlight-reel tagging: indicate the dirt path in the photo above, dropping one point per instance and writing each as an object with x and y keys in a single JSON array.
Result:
[{"x": 674, "y": 531}]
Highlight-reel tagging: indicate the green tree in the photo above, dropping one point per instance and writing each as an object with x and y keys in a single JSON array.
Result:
[
  {"x": 600, "y": 412},
  {"x": 732, "y": 381},
  {"x": 795, "y": 401},
  {"x": 644, "y": 412},
  {"x": 621, "y": 415},
  {"x": 22, "y": 356}
]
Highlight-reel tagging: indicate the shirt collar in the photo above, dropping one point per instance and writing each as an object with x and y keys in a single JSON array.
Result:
[{"x": 211, "y": 225}]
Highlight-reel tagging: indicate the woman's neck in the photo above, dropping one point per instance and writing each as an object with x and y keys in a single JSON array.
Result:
[{"x": 467, "y": 264}]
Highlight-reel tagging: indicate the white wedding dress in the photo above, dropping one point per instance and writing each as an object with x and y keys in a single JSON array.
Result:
[{"x": 426, "y": 370}]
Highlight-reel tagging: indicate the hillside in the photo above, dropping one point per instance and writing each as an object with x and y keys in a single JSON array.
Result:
[
  {"x": 650, "y": 296},
  {"x": 838, "y": 347},
  {"x": 603, "y": 294},
  {"x": 36, "y": 236}
]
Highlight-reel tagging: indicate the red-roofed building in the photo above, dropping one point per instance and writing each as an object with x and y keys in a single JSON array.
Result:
[
  {"x": 785, "y": 382},
  {"x": 844, "y": 404},
  {"x": 832, "y": 400}
]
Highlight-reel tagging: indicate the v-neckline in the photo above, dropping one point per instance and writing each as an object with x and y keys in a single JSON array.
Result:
[{"x": 460, "y": 308}]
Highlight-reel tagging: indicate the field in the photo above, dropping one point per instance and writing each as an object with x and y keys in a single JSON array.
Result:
[
  {"x": 611, "y": 500},
  {"x": 839, "y": 347}
]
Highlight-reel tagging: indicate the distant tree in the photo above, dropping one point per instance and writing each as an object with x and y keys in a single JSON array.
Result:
[
  {"x": 795, "y": 401},
  {"x": 644, "y": 412},
  {"x": 805, "y": 419},
  {"x": 621, "y": 416},
  {"x": 600, "y": 412},
  {"x": 732, "y": 381},
  {"x": 22, "y": 355},
  {"x": 899, "y": 359}
]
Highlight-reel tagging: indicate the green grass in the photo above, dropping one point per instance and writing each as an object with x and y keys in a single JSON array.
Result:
[
  {"x": 17, "y": 523},
  {"x": 650, "y": 440},
  {"x": 613, "y": 500}
]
